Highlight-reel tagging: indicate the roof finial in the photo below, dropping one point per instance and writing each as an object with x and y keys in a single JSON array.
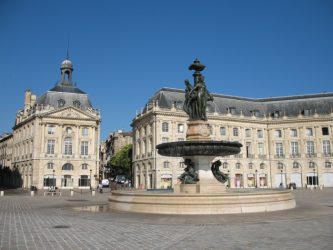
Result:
[{"x": 67, "y": 56}]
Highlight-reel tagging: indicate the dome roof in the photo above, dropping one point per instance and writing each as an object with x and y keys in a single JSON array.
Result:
[{"x": 66, "y": 64}]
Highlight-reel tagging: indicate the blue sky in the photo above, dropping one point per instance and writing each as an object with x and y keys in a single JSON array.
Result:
[{"x": 124, "y": 51}]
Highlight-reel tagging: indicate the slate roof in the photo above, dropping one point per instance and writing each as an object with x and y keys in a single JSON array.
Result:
[{"x": 288, "y": 105}]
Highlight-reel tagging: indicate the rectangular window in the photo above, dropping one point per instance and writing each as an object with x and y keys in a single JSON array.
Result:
[
  {"x": 68, "y": 146},
  {"x": 261, "y": 148},
  {"x": 165, "y": 127},
  {"x": 165, "y": 139},
  {"x": 223, "y": 131},
  {"x": 260, "y": 134},
  {"x": 235, "y": 131},
  {"x": 310, "y": 148},
  {"x": 326, "y": 147},
  {"x": 293, "y": 133},
  {"x": 279, "y": 149},
  {"x": 85, "y": 131},
  {"x": 248, "y": 132},
  {"x": 84, "y": 181},
  {"x": 84, "y": 148},
  {"x": 51, "y": 130},
  {"x": 50, "y": 147},
  {"x": 309, "y": 132},
  {"x": 166, "y": 164},
  {"x": 180, "y": 128},
  {"x": 294, "y": 148},
  {"x": 324, "y": 130},
  {"x": 278, "y": 133}
]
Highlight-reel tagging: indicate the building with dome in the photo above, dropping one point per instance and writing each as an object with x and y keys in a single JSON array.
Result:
[
  {"x": 285, "y": 139},
  {"x": 56, "y": 137}
]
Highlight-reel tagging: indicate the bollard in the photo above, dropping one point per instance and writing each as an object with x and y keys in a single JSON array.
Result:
[
  {"x": 93, "y": 193},
  {"x": 32, "y": 193},
  {"x": 2, "y": 193},
  {"x": 72, "y": 192}
]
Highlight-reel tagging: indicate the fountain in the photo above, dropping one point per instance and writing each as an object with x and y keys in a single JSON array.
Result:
[{"x": 202, "y": 187}]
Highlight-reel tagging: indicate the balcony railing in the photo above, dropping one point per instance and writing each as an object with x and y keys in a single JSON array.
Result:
[
  {"x": 311, "y": 155},
  {"x": 262, "y": 156},
  {"x": 250, "y": 156},
  {"x": 238, "y": 156},
  {"x": 279, "y": 156},
  {"x": 295, "y": 155},
  {"x": 328, "y": 154}
]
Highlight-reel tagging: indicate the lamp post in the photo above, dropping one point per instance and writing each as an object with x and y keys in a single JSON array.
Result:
[
  {"x": 314, "y": 177},
  {"x": 317, "y": 175},
  {"x": 53, "y": 184},
  {"x": 228, "y": 178},
  {"x": 90, "y": 179},
  {"x": 281, "y": 184},
  {"x": 256, "y": 183}
]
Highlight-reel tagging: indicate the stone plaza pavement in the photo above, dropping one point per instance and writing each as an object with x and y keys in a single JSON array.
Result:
[{"x": 64, "y": 223}]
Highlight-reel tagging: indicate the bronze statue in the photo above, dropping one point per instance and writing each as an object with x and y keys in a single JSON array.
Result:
[
  {"x": 197, "y": 96},
  {"x": 189, "y": 176},
  {"x": 221, "y": 177}
]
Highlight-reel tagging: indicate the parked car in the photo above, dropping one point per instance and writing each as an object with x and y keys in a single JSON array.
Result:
[
  {"x": 105, "y": 183},
  {"x": 120, "y": 179}
]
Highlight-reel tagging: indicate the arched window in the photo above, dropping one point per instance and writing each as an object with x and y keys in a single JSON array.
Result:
[
  {"x": 68, "y": 167},
  {"x": 311, "y": 164},
  {"x": 50, "y": 165},
  {"x": 165, "y": 127},
  {"x": 68, "y": 146}
]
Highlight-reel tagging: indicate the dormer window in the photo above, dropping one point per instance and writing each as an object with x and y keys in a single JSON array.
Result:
[
  {"x": 306, "y": 112},
  {"x": 255, "y": 113},
  {"x": 232, "y": 110},
  {"x": 61, "y": 103},
  {"x": 276, "y": 114},
  {"x": 77, "y": 104}
]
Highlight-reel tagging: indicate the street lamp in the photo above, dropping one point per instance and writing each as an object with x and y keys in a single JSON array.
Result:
[
  {"x": 314, "y": 177},
  {"x": 281, "y": 184},
  {"x": 228, "y": 178},
  {"x": 90, "y": 179},
  {"x": 256, "y": 179},
  {"x": 53, "y": 184}
]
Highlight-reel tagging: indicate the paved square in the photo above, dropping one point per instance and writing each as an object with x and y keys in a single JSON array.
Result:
[{"x": 52, "y": 223}]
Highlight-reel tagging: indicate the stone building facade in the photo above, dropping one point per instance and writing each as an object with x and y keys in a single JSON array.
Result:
[
  {"x": 56, "y": 137},
  {"x": 111, "y": 146},
  {"x": 285, "y": 139}
]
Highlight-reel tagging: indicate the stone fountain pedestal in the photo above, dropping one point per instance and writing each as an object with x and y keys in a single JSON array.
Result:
[{"x": 207, "y": 183}]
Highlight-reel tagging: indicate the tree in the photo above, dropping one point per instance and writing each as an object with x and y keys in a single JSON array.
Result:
[{"x": 121, "y": 162}]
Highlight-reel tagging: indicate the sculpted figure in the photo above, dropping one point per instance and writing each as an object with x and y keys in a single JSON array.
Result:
[
  {"x": 221, "y": 177},
  {"x": 196, "y": 97},
  {"x": 189, "y": 176}
]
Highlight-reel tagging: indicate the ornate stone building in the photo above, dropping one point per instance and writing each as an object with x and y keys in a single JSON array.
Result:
[
  {"x": 56, "y": 137},
  {"x": 285, "y": 139}
]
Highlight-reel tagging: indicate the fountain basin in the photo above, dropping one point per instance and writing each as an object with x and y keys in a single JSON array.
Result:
[
  {"x": 196, "y": 148},
  {"x": 182, "y": 203}
]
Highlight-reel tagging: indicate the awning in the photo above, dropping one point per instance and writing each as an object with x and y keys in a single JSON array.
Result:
[{"x": 166, "y": 176}]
